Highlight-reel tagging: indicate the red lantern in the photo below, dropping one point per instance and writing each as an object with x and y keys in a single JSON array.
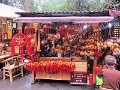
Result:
[{"x": 19, "y": 40}]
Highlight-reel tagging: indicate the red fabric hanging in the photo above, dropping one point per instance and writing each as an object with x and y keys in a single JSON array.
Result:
[
  {"x": 19, "y": 40},
  {"x": 28, "y": 47},
  {"x": 12, "y": 49},
  {"x": 21, "y": 54},
  {"x": 12, "y": 46},
  {"x": 91, "y": 79}
]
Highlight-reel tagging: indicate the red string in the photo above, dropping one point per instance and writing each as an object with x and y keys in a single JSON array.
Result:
[{"x": 21, "y": 54}]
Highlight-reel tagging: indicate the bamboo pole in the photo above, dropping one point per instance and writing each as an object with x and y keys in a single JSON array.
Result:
[{"x": 38, "y": 46}]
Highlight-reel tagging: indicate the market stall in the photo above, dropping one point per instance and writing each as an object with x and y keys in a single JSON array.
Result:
[
  {"x": 65, "y": 46},
  {"x": 7, "y": 29}
]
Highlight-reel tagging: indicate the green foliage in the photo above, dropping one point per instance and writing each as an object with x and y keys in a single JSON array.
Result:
[
  {"x": 79, "y": 5},
  {"x": 54, "y": 5},
  {"x": 34, "y": 9},
  {"x": 66, "y": 5},
  {"x": 96, "y": 5}
]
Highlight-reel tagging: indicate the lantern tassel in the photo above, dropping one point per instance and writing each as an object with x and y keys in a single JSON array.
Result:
[
  {"x": 12, "y": 49},
  {"x": 21, "y": 54},
  {"x": 28, "y": 46}
]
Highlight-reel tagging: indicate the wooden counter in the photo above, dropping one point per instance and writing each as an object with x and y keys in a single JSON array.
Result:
[
  {"x": 53, "y": 76},
  {"x": 2, "y": 57},
  {"x": 60, "y": 75}
]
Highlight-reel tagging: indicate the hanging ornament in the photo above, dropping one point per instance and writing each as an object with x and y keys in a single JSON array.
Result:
[
  {"x": 51, "y": 66},
  {"x": 19, "y": 40},
  {"x": 28, "y": 48},
  {"x": 32, "y": 41}
]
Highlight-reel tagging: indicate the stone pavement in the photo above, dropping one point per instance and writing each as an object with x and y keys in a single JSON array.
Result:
[{"x": 24, "y": 83}]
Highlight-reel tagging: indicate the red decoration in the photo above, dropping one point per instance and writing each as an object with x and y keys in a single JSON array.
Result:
[
  {"x": 97, "y": 69},
  {"x": 46, "y": 28},
  {"x": 51, "y": 66},
  {"x": 91, "y": 79},
  {"x": 28, "y": 48},
  {"x": 19, "y": 40},
  {"x": 12, "y": 48},
  {"x": 0, "y": 37},
  {"x": 22, "y": 40},
  {"x": 32, "y": 41},
  {"x": 21, "y": 54},
  {"x": 29, "y": 31}
]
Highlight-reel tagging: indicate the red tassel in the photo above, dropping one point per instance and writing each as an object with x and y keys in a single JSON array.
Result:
[
  {"x": 25, "y": 31},
  {"x": 91, "y": 79},
  {"x": 33, "y": 30},
  {"x": 12, "y": 49},
  {"x": 21, "y": 54},
  {"x": 28, "y": 46}
]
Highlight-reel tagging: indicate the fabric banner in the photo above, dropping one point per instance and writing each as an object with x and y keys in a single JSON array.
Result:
[{"x": 114, "y": 12}]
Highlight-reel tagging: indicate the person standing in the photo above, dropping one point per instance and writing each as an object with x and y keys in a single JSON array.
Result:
[{"x": 111, "y": 76}]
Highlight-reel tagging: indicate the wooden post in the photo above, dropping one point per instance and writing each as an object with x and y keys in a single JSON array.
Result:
[
  {"x": 33, "y": 77},
  {"x": 11, "y": 77},
  {"x": 22, "y": 71},
  {"x": 4, "y": 76},
  {"x": 38, "y": 46}
]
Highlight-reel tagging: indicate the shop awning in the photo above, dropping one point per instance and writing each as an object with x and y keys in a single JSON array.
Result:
[
  {"x": 7, "y": 11},
  {"x": 75, "y": 19},
  {"x": 114, "y": 12}
]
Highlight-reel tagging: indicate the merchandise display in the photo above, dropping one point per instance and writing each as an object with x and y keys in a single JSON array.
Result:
[{"x": 66, "y": 48}]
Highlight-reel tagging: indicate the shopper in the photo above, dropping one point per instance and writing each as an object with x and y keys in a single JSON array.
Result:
[{"x": 111, "y": 77}]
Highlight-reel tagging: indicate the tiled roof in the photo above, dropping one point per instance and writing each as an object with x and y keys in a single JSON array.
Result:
[{"x": 61, "y": 14}]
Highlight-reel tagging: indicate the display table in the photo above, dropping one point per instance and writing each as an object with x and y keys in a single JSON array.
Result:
[
  {"x": 2, "y": 57},
  {"x": 53, "y": 76},
  {"x": 59, "y": 75}
]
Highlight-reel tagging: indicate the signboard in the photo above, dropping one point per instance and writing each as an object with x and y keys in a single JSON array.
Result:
[
  {"x": 78, "y": 78},
  {"x": 80, "y": 66}
]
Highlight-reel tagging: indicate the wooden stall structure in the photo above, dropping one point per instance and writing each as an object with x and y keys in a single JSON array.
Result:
[
  {"x": 51, "y": 75},
  {"x": 7, "y": 29},
  {"x": 80, "y": 73}
]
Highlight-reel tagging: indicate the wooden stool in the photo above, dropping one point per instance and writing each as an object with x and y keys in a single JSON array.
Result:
[{"x": 8, "y": 71}]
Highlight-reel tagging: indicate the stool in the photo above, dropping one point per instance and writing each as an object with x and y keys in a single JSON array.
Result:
[{"x": 8, "y": 71}]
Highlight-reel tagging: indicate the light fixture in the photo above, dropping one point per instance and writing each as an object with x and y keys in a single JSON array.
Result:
[
  {"x": 109, "y": 25},
  {"x": 65, "y": 26},
  {"x": 85, "y": 26}
]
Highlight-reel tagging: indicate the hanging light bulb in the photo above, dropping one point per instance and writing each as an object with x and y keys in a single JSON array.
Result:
[
  {"x": 109, "y": 25},
  {"x": 85, "y": 26},
  {"x": 65, "y": 26}
]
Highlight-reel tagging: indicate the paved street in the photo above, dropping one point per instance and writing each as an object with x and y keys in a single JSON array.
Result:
[{"x": 25, "y": 84}]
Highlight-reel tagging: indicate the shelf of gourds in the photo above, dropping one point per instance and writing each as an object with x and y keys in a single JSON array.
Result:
[
  {"x": 51, "y": 65},
  {"x": 89, "y": 45}
]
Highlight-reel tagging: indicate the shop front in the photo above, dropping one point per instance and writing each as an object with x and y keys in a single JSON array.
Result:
[
  {"x": 7, "y": 16},
  {"x": 64, "y": 46}
]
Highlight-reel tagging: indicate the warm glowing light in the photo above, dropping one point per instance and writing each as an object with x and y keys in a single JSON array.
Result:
[
  {"x": 65, "y": 26},
  {"x": 109, "y": 25},
  {"x": 85, "y": 26}
]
